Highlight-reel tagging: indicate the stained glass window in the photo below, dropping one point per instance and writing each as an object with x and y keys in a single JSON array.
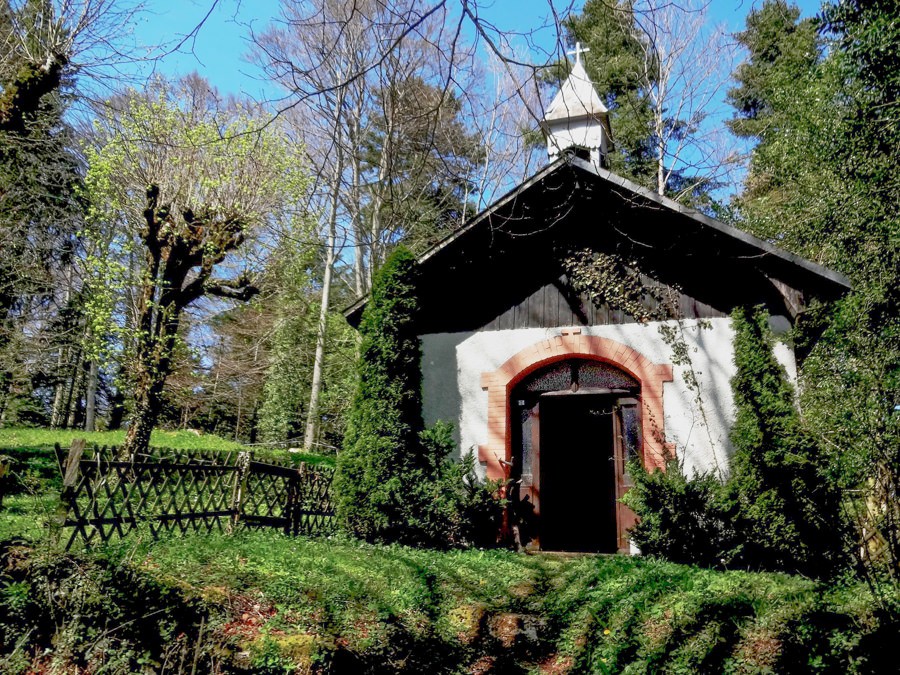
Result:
[{"x": 586, "y": 374}]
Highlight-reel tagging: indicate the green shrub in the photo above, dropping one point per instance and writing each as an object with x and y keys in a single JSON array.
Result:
[
  {"x": 381, "y": 460},
  {"x": 681, "y": 518},
  {"x": 787, "y": 515},
  {"x": 455, "y": 508},
  {"x": 776, "y": 511},
  {"x": 394, "y": 481}
]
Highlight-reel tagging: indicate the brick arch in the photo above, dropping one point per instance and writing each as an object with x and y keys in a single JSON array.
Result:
[{"x": 497, "y": 452}]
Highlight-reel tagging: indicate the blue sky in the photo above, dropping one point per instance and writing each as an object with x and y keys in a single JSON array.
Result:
[{"x": 218, "y": 52}]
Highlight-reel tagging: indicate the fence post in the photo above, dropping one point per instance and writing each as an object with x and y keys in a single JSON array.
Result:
[
  {"x": 242, "y": 464},
  {"x": 5, "y": 465},
  {"x": 70, "y": 481}
]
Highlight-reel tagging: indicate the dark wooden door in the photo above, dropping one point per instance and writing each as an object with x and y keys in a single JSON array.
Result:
[{"x": 578, "y": 485}]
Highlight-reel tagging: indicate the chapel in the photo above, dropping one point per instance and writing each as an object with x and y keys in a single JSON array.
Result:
[{"x": 556, "y": 384}]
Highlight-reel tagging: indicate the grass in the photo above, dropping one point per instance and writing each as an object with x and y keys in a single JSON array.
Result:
[
  {"x": 34, "y": 461},
  {"x": 21, "y": 439},
  {"x": 34, "y": 482},
  {"x": 588, "y": 614},
  {"x": 275, "y": 604},
  {"x": 289, "y": 604}
]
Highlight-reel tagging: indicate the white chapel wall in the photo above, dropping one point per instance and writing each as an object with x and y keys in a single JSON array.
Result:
[{"x": 452, "y": 365}]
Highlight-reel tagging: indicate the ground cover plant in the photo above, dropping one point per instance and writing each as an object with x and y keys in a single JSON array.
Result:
[{"x": 266, "y": 603}]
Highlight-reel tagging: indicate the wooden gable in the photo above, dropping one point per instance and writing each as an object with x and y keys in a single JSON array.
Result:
[{"x": 503, "y": 269}]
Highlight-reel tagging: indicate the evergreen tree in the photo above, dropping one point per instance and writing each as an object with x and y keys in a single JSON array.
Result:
[
  {"x": 40, "y": 213},
  {"x": 823, "y": 184},
  {"x": 782, "y": 50},
  {"x": 785, "y": 514},
  {"x": 382, "y": 458}
]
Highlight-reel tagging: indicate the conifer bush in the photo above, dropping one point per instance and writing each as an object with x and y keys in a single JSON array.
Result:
[
  {"x": 786, "y": 513},
  {"x": 681, "y": 517},
  {"x": 776, "y": 511},
  {"x": 395, "y": 481}
]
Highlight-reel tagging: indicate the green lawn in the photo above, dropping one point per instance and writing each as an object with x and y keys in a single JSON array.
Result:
[
  {"x": 19, "y": 439},
  {"x": 34, "y": 462},
  {"x": 34, "y": 482},
  {"x": 275, "y": 604}
]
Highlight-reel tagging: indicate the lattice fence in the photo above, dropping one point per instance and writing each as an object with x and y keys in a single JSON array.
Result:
[{"x": 182, "y": 491}]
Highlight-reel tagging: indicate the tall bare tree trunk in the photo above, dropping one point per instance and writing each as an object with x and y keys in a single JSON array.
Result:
[
  {"x": 312, "y": 416},
  {"x": 90, "y": 405},
  {"x": 60, "y": 393},
  {"x": 77, "y": 387}
]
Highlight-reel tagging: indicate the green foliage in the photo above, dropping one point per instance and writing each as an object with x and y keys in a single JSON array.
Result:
[
  {"x": 61, "y": 613},
  {"x": 395, "y": 481},
  {"x": 778, "y": 510},
  {"x": 786, "y": 513},
  {"x": 348, "y": 607},
  {"x": 382, "y": 457},
  {"x": 455, "y": 508},
  {"x": 782, "y": 50},
  {"x": 291, "y": 351},
  {"x": 682, "y": 519},
  {"x": 823, "y": 184}
]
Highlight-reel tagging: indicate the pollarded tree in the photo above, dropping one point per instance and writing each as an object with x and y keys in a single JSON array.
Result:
[{"x": 187, "y": 182}]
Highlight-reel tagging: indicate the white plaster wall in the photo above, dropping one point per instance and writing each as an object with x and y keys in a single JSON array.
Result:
[{"x": 452, "y": 364}]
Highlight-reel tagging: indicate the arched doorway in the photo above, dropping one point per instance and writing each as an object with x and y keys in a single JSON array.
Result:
[{"x": 574, "y": 425}]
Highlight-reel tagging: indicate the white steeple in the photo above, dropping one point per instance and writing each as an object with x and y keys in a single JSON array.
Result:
[{"x": 577, "y": 118}]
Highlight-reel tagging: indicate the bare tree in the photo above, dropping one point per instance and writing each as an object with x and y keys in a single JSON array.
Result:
[
  {"x": 686, "y": 64},
  {"x": 371, "y": 84}
]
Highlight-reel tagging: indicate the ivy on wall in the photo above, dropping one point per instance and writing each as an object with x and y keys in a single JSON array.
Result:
[{"x": 608, "y": 279}]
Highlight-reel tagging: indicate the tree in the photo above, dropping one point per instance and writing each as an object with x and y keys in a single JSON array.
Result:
[
  {"x": 822, "y": 184},
  {"x": 384, "y": 132},
  {"x": 382, "y": 456},
  {"x": 615, "y": 66},
  {"x": 189, "y": 182},
  {"x": 39, "y": 176},
  {"x": 782, "y": 50},
  {"x": 660, "y": 68}
]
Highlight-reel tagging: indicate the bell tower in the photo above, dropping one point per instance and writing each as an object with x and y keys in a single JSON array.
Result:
[{"x": 576, "y": 120}]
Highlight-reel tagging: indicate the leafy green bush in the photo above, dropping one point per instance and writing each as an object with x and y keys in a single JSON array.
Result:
[
  {"x": 776, "y": 511},
  {"x": 681, "y": 518},
  {"x": 394, "y": 481},
  {"x": 786, "y": 513},
  {"x": 457, "y": 509}
]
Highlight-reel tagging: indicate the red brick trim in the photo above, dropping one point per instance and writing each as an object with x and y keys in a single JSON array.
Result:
[{"x": 497, "y": 452}]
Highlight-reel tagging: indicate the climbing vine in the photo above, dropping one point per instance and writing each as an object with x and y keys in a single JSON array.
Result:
[
  {"x": 608, "y": 279},
  {"x": 611, "y": 280}
]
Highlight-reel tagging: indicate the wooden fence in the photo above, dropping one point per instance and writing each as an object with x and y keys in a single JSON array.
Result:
[{"x": 181, "y": 491}]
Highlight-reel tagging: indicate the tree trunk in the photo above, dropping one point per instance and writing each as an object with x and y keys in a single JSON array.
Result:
[
  {"x": 61, "y": 387},
  {"x": 75, "y": 398},
  {"x": 71, "y": 386},
  {"x": 90, "y": 406},
  {"x": 322, "y": 330}
]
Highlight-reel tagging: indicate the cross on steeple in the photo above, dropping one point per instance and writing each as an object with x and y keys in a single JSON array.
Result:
[{"x": 578, "y": 51}]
